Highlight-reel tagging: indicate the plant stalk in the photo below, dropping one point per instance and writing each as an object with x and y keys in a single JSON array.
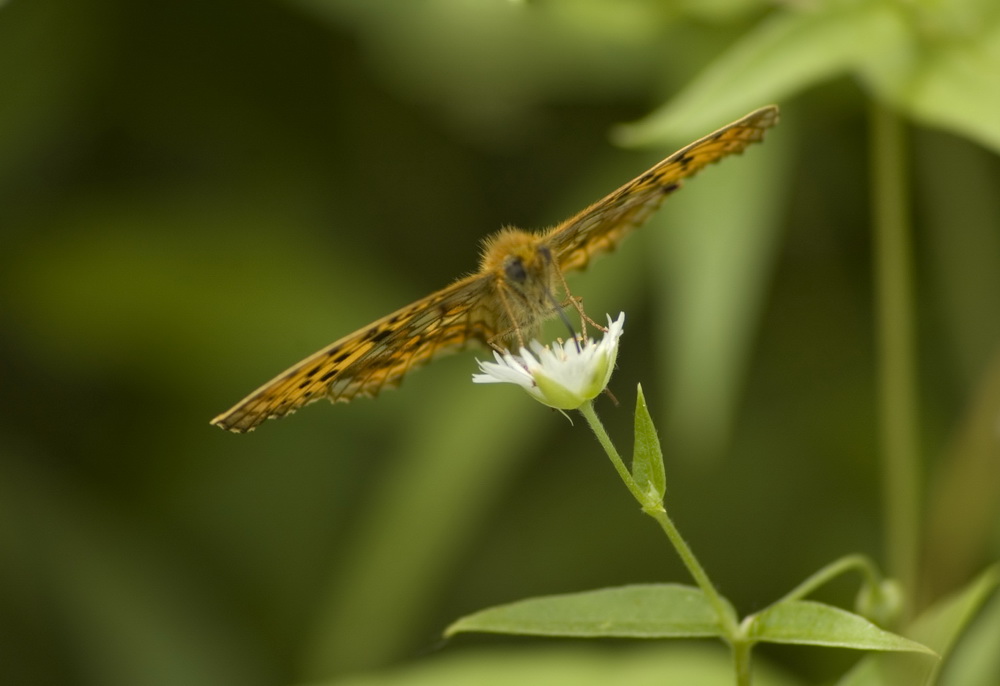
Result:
[
  {"x": 727, "y": 619},
  {"x": 897, "y": 386}
]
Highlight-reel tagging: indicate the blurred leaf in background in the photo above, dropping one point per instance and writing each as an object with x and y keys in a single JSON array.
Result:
[{"x": 194, "y": 195}]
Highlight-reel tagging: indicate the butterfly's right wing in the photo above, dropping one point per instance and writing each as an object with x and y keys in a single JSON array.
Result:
[
  {"x": 375, "y": 357},
  {"x": 600, "y": 227}
]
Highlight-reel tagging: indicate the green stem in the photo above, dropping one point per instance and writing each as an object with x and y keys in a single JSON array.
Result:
[
  {"x": 741, "y": 662},
  {"x": 896, "y": 347},
  {"x": 831, "y": 571},
  {"x": 724, "y": 612},
  {"x": 587, "y": 410},
  {"x": 727, "y": 618}
]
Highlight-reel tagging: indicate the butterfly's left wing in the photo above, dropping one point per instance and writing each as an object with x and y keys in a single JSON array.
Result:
[
  {"x": 600, "y": 227},
  {"x": 375, "y": 357}
]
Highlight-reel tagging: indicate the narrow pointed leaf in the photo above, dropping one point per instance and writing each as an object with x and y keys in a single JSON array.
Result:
[
  {"x": 638, "y": 611},
  {"x": 647, "y": 458},
  {"x": 807, "y": 622}
]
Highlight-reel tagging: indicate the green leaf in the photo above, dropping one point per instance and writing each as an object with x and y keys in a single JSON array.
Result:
[
  {"x": 948, "y": 77},
  {"x": 806, "y": 622},
  {"x": 779, "y": 58},
  {"x": 939, "y": 628},
  {"x": 647, "y": 458},
  {"x": 958, "y": 88},
  {"x": 638, "y": 611}
]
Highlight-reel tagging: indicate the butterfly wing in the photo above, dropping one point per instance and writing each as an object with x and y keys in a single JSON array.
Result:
[
  {"x": 381, "y": 354},
  {"x": 375, "y": 357},
  {"x": 600, "y": 227}
]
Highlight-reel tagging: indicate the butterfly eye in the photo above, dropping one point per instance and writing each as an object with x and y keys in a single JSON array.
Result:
[{"x": 514, "y": 269}]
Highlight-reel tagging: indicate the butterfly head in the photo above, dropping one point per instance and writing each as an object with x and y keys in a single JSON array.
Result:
[{"x": 524, "y": 270}]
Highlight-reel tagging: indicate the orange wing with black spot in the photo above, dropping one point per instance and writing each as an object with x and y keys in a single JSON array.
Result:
[
  {"x": 600, "y": 227},
  {"x": 375, "y": 357}
]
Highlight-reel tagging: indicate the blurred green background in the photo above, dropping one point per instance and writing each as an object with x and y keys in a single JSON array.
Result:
[{"x": 195, "y": 195}]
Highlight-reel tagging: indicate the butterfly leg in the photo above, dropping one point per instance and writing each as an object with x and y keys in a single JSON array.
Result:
[
  {"x": 577, "y": 303},
  {"x": 496, "y": 342}
]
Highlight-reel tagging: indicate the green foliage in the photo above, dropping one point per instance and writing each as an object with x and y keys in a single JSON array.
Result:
[
  {"x": 647, "y": 458},
  {"x": 806, "y": 622},
  {"x": 673, "y": 611},
  {"x": 638, "y": 611},
  {"x": 936, "y": 62}
]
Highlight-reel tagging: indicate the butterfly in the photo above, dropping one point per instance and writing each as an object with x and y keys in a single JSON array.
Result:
[{"x": 509, "y": 296}]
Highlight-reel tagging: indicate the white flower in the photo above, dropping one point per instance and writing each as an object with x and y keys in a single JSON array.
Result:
[{"x": 564, "y": 376}]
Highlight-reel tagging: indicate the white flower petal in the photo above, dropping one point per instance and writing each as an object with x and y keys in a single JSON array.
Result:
[{"x": 565, "y": 375}]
